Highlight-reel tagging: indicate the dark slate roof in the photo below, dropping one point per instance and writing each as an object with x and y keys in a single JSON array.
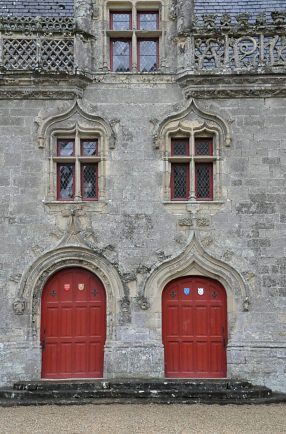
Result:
[
  {"x": 64, "y": 8},
  {"x": 235, "y": 7},
  {"x": 34, "y": 8}
]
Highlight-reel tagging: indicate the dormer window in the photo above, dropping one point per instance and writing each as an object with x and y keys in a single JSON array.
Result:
[{"x": 134, "y": 37}]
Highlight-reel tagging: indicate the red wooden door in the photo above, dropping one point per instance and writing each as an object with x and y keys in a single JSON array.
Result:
[
  {"x": 194, "y": 316},
  {"x": 73, "y": 325}
]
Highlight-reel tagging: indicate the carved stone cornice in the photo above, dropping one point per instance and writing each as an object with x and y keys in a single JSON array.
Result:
[
  {"x": 30, "y": 87},
  {"x": 28, "y": 25},
  {"x": 241, "y": 24},
  {"x": 231, "y": 86}
]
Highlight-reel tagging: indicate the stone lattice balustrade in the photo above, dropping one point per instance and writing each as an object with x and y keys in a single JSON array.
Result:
[{"x": 37, "y": 44}]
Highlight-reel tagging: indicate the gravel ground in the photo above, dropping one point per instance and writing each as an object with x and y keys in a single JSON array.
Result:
[{"x": 150, "y": 419}]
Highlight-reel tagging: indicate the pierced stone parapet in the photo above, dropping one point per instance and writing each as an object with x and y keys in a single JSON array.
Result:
[
  {"x": 43, "y": 45},
  {"x": 221, "y": 45},
  {"x": 63, "y": 25},
  {"x": 38, "y": 54}
]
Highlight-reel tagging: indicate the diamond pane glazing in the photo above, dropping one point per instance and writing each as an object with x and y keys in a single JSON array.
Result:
[
  {"x": 180, "y": 147},
  {"x": 148, "y": 21},
  {"x": 89, "y": 181},
  {"x": 203, "y": 146},
  {"x": 66, "y": 181},
  {"x": 89, "y": 147},
  {"x": 203, "y": 181},
  {"x": 121, "y": 56},
  {"x": 120, "y": 21},
  {"x": 65, "y": 148},
  {"x": 148, "y": 56},
  {"x": 180, "y": 181}
]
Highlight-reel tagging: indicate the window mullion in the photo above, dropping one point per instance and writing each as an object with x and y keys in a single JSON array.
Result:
[
  {"x": 134, "y": 40},
  {"x": 77, "y": 169},
  {"x": 192, "y": 168}
]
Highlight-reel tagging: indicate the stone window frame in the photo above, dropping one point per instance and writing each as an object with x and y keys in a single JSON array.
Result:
[
  {"x": 190, "y": 120},
  {"x": 134, "y": 34},
  {"x": 77, "y": 134},
  {"x": 191, "y": 131},
  {"x": 80, "y": 122}
]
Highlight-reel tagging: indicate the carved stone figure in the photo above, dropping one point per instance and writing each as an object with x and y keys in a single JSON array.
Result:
[
  {"x": 185, "y": 14},
  {"x": 19, "y": 306}
]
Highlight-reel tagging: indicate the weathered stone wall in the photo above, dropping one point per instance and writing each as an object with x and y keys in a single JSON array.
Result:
[
  {"x": 131, "y": 233},
  {"x": 247, "y": 230}
]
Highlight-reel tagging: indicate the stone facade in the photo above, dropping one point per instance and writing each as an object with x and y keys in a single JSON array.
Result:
[{"x": 223, "y": 74}]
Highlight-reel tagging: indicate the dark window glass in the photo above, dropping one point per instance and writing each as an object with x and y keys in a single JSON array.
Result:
[
  {"x": 89, "y": 181},
  {"x": 148, "y": 20},
  {"x": 204, "y": 146},
  {"x": 180, "y": 181},
  {"x": 65, "y": 181},
  {"x": 180, "y": 147},
  {"x": 204, "y": 181},
  {"x": 65, "y": 147},
  {"x": 120, "y": 20},
  {"x": 121, "y": 56},
  {"x": 89, "y": 147},
  {"x": 148, "y": 55}
]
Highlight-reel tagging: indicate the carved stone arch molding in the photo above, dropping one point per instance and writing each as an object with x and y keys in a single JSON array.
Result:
[
  {"x": 194, "y": 260},
  {"x": 188, "y": 118},
  {"x": 34, "y": 280},
  {"x": 76, "y": 117}
]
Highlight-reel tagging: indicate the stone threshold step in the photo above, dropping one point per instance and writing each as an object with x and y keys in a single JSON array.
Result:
[
  {"x": 133, "y": 384},
  {"x": 256, "y": 392},
  {"x": 274, "y": 399}
]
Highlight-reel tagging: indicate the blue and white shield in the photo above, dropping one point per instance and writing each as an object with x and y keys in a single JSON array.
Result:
[{"x": 187, "y": 291}]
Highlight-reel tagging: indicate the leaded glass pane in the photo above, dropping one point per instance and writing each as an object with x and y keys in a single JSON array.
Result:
[
  {"x": 204, "y": 181},
  {"x": 120, "y": 21},
  {"x": 204, "y": 146},
  {"x": 148, "y": 56},
  {"x": 89, "y": 147},
  {"x": 89, "y": 181},
  {"x": 180, "y": 181},
  {"x": 121, "y": 56},
  {"x": 180, "y": 147},
  {"x": 66, "y": 181},
  {"x": 65, "y": 148},
  {"x": 148, "y": 21}
]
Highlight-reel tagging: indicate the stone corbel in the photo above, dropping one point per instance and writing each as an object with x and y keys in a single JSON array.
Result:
[
  {"x": 143, "y": 302},
  {"x": 246, "y": 304},
  {"x": 19, "y": 306}
]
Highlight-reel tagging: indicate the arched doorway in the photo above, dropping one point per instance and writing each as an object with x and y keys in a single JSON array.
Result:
[
  {"x": 194, "y": 327},
  {"x": 73, "y": 325}
]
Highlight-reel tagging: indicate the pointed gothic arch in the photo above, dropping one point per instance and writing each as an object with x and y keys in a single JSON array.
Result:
[
  {"x": 33, "y": 281},
  {"x": 195, "y": 261},
  {"x": 77, "y": 116},
  {"x": 193, "y": 116}
]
